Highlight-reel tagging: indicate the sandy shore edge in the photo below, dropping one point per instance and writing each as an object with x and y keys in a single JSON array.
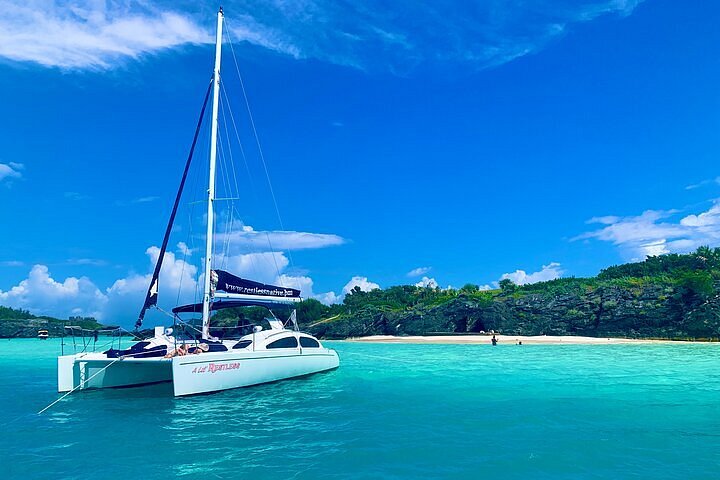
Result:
[{"x": 506, "y": 340}]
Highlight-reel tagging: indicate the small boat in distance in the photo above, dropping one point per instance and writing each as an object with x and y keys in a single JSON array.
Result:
[
  {"x": 201, "y": 360},
  {"x": 43, "y": 334}
]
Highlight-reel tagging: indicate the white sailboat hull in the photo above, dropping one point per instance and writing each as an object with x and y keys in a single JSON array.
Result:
[
  {"x": 206, "y": 373},
  {"x": 192, "y": 374},
  {"x": 89, "y": 371}
]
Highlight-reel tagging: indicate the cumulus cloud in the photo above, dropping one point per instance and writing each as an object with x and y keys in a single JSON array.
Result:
[
  {"x": 10, "y": 170},
  {"x": 178, "y": 283},
  {"x": 183, "y": 249},
  {"x": 427, "y": 283},
  {"x": 305, "y": 285},
  {"x": 362, "y": 282},
  {"x": 43, "y": 295},
  {"x": 657, "y": 232},
  {"x": 328, "y": 298},
  {"x": 550, "y": 271},
  {"x": 260, "y": 266},
  {"x": 396, "y": 37},
  {"x": 416, "y": 272}
]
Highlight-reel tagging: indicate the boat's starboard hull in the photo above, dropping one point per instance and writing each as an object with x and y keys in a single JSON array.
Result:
[{"x": 214, "y": 372}]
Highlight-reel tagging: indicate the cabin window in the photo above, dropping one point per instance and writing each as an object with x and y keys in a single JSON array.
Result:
[
  {"x": 308, "y": 342},
  {"x": 287, "y": 342},
  {"x": 242, "y": 344},
  {"x": 216, "y": 347}
]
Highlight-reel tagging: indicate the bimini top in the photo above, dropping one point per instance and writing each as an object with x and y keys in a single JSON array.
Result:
[
  {"x": 219, "y": 305},
  {"x": 231, "y": 291}
]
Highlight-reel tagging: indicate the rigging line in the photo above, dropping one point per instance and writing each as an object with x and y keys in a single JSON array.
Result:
[
  {"x": 242, "y": 149},
  {"x": 257, "y": 140},
  {"x": 80, "y": 384},
  {"x": 232, "y": 160},
  {"x": 237, "y": 135},
  {"x": 236, "y": 193},
  {"x": 247, "y": 168},
  {"x": 232, "y": 193},
  {"x": 223, "y": 172},
  {"x": 149, "y": 300}
]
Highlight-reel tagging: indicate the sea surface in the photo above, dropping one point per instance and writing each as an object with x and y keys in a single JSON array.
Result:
[{"x": 389, "y": 411}]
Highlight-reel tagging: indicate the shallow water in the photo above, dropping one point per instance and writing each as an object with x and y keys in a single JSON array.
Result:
[{"x": 389, "y": 411}]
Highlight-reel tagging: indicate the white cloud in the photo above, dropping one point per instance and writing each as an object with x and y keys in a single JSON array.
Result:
[
  {"x": 362, "y": 282},
  {"x": 10, "y": 170},
  {"x": 135, "y": 201},
  {"x": 403, "y": 35},
  {"x": 397, "y": 37},
  {"x": 548, "y": 272},
  {"x": 43, "y": 295},
  {"x": 712, "y": 181},
  {"x": 247, "y": 238},
  {"x": 328, "y": 298},
  {"x": 75, "y": 196},
  {"x": 178, "y": 283},
  {"x": 260, "y": 266},
  {"x": 427, "y": 283},
  {"x": 90, "y": 34},
  {"x": 416, "y": 272},
  {"x": 95, "y": 262},
  {"x": 12, "y": 263},
  {"x": 144, "y": 199},
  {"x": 305, "y": 285},
  {"x": 656, "y": 232},
  {"x": 183, "y": 249}
]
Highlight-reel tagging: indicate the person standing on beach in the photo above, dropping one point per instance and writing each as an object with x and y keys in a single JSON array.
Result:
[{"x": 493, "y": 340}]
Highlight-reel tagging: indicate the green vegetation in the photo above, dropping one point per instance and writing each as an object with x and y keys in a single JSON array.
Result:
[
  {"x": 669, "y": 296},
  {"x": 21, "y": 323}
]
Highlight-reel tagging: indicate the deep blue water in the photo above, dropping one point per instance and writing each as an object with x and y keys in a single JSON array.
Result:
[{"x": 389, "y": 411}]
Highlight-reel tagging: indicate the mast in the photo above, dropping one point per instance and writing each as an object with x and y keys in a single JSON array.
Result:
[{"x": 211, "y": 182}]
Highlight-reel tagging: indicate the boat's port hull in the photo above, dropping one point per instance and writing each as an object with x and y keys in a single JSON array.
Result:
[
  {"x": 214, "y": 372},
  {"x": 93, "y": 371}
]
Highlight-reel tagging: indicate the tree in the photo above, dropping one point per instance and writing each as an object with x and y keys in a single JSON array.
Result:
[
  {"x": 507, "y": 286},
  {"x": 310, "y": 310}
]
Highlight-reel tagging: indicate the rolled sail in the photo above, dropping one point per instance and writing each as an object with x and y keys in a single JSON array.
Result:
[{"x": 229, "y": 283}]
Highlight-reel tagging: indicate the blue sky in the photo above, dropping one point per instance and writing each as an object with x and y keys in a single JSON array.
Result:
[{"x": 458, "y": 143}]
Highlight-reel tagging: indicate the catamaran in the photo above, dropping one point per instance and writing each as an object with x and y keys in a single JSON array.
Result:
[{"x": 206, "y": 362}]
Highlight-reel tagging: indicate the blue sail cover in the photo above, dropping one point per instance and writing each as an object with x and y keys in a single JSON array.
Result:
[{"x": 227, "y": 282}]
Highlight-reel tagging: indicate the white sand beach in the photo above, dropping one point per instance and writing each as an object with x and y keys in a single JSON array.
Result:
[{"x": 503, "y": 339}]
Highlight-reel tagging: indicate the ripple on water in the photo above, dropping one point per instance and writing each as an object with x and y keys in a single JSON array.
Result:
[{"x": 390, "y": 411}]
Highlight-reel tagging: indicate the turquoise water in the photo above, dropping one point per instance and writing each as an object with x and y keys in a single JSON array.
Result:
[{"x": 389, "y": 411}]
